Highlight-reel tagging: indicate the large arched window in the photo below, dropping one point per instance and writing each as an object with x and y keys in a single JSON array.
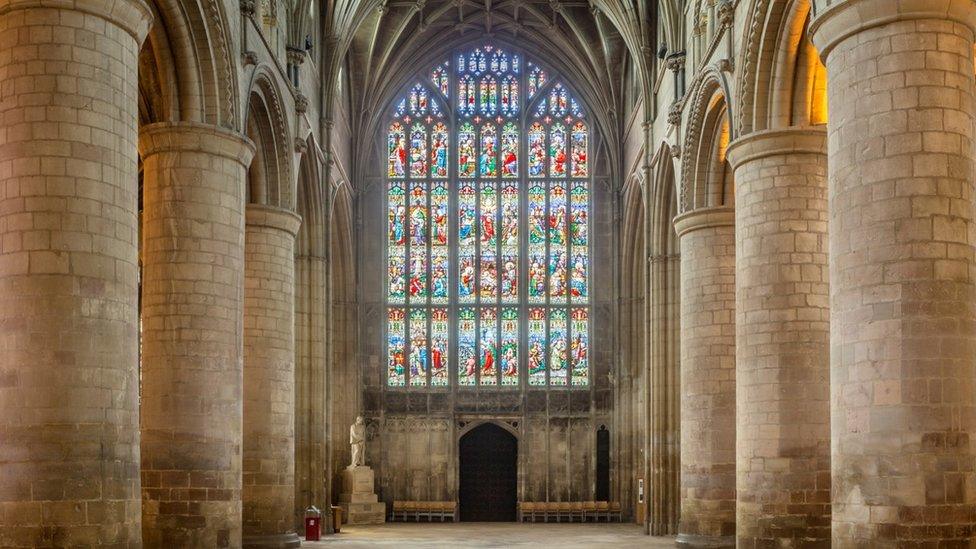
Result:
[{"x": 488, "y": 231}]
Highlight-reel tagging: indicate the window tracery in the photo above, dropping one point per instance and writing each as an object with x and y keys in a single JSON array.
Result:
[{"x": 488, "y": 258}]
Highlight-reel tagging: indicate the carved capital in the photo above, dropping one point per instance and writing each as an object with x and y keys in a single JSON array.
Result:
[
  {"x": 301, "y": 146},
  {"x": 676, "y": 152},
  {"x": 296, "y": 56},
  {"x": 301, "y": 103},
  {"x": 674, "y": 113},
  {"x": 726, "y": 65},
  {"x": 250, "y": 57},
  {"x": 726, "y": 13},
  {"x": 248, "y": 7},
  {"x": 676, "y": 61}
]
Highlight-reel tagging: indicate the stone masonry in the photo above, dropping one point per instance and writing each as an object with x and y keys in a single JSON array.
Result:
[
  {"x": 782, "y": 332},
  {"x": 707, "y": 242}
]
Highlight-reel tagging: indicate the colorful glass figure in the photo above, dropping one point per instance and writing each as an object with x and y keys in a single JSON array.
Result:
[
  {"x": 467, "y": 347},
  {"x": 466, "y": 154},
  {"x": 397, "y": 151},
  {"x": 510, "y": 151},
  {"x": 579, "y": 138},
  {"x": 537, "y": 151},
  {"x": 508, "y": 356},
  {"x": 579, "y": 347},
  {"x": 429, "y": 286},
  {"x": 438, "y": 151},
  {"x": 396, "y": 332},
  {"x": 557, "y": 151},
  {"x": 419, "y": 353},
  {"x": 488, "y": 372},
  {"x": 418, "y": 151},
  {"x": 439, "y": 337},
  {"x": 488, "y": 160},
  {"x": 558, "y": 358}
]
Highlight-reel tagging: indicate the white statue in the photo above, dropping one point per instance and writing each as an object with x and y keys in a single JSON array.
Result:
[{"x": 357, "y": 439}]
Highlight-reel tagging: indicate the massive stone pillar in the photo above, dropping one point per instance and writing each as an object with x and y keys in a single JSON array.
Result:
[
  {"x": 782, "y": 339},
  {"x": 903, "y": 326},
  {"x": 269, "y": 377},
  {"x": 707, "y": 243},
  {"x": 192, "y": 313},
  {"x": 69, "y": 435}
]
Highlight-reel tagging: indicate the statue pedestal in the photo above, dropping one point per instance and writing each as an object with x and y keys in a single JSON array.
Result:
[{"x": 358, "y": 500}]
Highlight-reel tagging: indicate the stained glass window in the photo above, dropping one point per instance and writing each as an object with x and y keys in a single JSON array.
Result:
[{"x": 488, "y": 257}]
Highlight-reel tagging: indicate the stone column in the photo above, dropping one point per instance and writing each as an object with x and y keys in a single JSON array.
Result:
[
  {"x": 269, "y": 377},
  {"x": 782, "y": 339},
  {"x": 707, "y": 242},
  {"x": 192, "y": 314},
  {"x": 903, "y": 327},
  {"x": 69, "y": 438}
]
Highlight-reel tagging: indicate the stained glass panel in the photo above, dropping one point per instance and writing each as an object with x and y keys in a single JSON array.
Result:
[
  {"x": 510, "y": 347},
  {"x": 488, "y": 92},
  {"x": 466, "y": 154},
  {"x": 509, "y": 96},
  {"x": 489, "y": 241},
  {"x": 537, "y": 151},
  {"x": 418, "y": 241},
  {"x": 467, "y": 240},
  {"x": 467, "y": 346},
  {"x": 397, "y": 151},
  {"x": 490, "y": 252},
  {"x": 489, "y": 346},
  {"x": 509, "y": 151},
  {"x": 439, "y": 151},
  {"x": 488, "y": 160},
  {"x": 537, "y": 347},
  {"x": 579, "y": 349},
  {"x": 396, "y": 242},
  {"x": 538, "y": 228},
  {"x": 418, "y": 151},
  {"x": 557, "y": 151},
  {"x": 439, "y": 337},
  {"x": 419, "y": 354},
  {"x": 580, "y": 167},
  {"x": 396, "y": 331},
  {"x": 557, "y": 347}
]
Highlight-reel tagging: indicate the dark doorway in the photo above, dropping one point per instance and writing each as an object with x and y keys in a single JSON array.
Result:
[{"x": 489, "y": 474}]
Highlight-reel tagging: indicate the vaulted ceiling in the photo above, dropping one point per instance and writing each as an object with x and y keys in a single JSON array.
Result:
[{"x": 588, "y": 42}]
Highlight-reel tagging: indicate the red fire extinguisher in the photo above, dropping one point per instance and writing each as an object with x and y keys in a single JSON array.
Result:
[{"x": 313, "y": 524}]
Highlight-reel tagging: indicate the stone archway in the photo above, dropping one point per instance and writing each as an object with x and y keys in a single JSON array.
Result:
[{"x": 488, "y": 456}]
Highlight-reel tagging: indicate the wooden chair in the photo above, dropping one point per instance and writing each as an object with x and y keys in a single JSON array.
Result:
[
  {"x": 614, "y": 511},
  {"x": 602, "y": 510},
  {"x": 589, "y": 510}
]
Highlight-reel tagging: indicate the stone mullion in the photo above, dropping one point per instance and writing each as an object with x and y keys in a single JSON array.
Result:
[
  {"x": 707, "y": 244},
  {"x": 902, "y": 270},
  {"x": 782, "y": 332}
]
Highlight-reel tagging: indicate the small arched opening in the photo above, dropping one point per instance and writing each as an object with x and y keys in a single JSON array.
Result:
[{"x": 488, "y": 488}]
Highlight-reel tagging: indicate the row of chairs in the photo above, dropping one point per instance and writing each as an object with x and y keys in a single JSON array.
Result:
[
  {"x": 417, "y": 510},
  {"x": 570, "y": 511}
]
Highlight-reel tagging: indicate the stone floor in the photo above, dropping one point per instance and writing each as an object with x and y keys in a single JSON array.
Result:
[{"x": 490, "y": 534}]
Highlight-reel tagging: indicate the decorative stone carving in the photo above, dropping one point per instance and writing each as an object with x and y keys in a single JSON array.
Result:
[
  {"x": 676, "y": 61},
  {"x": 250, "y": 57},
  {"x": 248, "y": 8},
  {"x": 674, "y": 113},
  {"x": 301, "y": 103},
  {"x": 726, "y": 13}
]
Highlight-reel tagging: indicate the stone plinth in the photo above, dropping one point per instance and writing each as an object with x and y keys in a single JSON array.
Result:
[{"x": 358, "y": 500}]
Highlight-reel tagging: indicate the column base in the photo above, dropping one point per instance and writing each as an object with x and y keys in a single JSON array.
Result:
[
  {"x": 276, "y": 541},
  {"x": 692, "y": 541}
]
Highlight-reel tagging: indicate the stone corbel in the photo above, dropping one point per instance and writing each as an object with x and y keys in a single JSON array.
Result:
[
  {"x": 676, "y": 61},
  {"x": 726, "y": 65},
  {"x": 301, "y": 103},
  {"x": 248, "y": 8},
  {"x": 674, "y": 113},
  {"x": 250, "y": 57}
]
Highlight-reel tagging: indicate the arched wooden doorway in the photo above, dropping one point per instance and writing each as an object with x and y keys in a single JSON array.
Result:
[{"x": 489, "y": 474}]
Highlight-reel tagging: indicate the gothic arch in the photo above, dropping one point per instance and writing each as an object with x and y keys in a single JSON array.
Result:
[
  {"x": 269, "y": 176},
  {"x": 472, "y": 425},
  {"x": 706, "y": 177},
  {"x": 186, "y": 68},
  {"x": 782, "y": 82}
]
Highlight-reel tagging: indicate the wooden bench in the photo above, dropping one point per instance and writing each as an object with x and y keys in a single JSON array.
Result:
[
  {"x": 429, "y": 510},
  {"x": 568, "y": 511}
]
